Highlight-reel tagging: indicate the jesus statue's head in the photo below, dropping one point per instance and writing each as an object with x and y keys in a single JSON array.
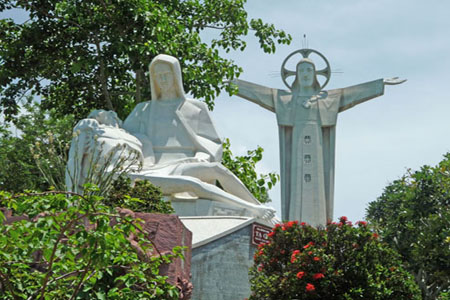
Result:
[{"x": 306, "y": 77}]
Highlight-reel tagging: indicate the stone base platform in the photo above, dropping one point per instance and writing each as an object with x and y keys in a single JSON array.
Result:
[{"x": 222, "y": 253}]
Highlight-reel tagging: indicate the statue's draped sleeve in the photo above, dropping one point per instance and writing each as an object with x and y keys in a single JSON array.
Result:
[
  {"x": 261, "y": 95},
  {"x": 354, "y": 95}
]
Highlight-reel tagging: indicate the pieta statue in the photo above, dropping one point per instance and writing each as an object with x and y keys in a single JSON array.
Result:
[
  {"x": 306, "y": 116},
  {"x": 174, "y": 145}
]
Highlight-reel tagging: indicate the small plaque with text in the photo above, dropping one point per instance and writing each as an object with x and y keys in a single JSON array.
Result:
[{"x": 260, "y": 233}]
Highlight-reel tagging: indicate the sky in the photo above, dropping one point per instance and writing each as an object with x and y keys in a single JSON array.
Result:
[
  {"x": 363, "y": 40},
  {"x": 379, "y": 140}
]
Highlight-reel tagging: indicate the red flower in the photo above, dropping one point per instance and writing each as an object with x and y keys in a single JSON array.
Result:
[
  {"x": 271, "y": 234},
  {"x": 316, "y": 258},
  {"x": 300, "y": 274},
  {"x": 293, "y": 256},
  {"x": 343, "y": 219},
  {"x": 318, "y": 276},
  {"x": 282, "y": 251},
  {"x": 310, "y": 287},
  {"x": 276, "y": 226},
  {"x": 283, "y": 228},
  {"x": 310, "y": 253},
  {"x": 361, "y": 223},
  {"x": 375, "y": 235},
  {"x": 303, "y": 223},
  {"x": 306, "y": 246},
  {"x": 290, "y": 224}
]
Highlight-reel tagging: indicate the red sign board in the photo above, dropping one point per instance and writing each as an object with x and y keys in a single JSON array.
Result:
[{"x": 259, "y": 235}]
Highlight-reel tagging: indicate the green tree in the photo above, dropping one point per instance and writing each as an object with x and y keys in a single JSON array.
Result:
[
  {"x": 39, "y": 129},
  {"x": 413, "y": 216},
  {"x": 244, "y": 167},
  {"x": 339, "y": 261},
  {"x": 80, "y": 55},
  {"x": 68, "y": 248}
]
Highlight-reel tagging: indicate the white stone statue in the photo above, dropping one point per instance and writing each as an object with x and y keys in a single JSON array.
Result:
[
  {"x": 306, "y": 117},
  {"x": 180, "y": 145},
  {"x": 100, "y": 147}
]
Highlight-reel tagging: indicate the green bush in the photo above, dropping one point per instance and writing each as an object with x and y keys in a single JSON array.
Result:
[
  {"x": 244, "y": 167},
  {"x": 340, "y": 261},
  {"x": 141, "y": 196},
  {"x": 69, "y": 249}
]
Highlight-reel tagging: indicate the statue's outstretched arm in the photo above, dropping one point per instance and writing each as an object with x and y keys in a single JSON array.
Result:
[
  {"x": 354, "y": 95},
  {"x": 255, "y": 93}
]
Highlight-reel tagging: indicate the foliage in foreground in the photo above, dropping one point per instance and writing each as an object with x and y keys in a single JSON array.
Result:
[
  {"x": 69, "y": 250},
  {"x": 338, "y": 262},
  {"x": 244, "y": 167},
  {"x": 81, "y": 55},
  {"x": 413, "y": 216}
]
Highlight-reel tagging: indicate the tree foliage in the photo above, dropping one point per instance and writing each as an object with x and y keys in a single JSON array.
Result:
[
  {"x": 413, "y": 216},
  {"x": 67, "y": 248},
  {"x": 39, "y": 129},
  {"x": 244, "y": 167},
  {"x": 80, "y": 55},
  {"x": 337, "y": 262}
]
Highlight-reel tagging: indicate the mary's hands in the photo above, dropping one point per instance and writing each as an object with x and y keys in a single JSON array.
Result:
[{"x": 393, "y": 81}]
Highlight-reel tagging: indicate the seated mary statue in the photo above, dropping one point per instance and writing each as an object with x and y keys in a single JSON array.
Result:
[{"x": 180, "y": 147}]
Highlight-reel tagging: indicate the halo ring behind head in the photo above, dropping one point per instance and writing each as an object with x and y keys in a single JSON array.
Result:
[{"x": 285, "y": 73}]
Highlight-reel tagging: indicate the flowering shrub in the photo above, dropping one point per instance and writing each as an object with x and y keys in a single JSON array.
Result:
[{"x": 340, "y": 261}]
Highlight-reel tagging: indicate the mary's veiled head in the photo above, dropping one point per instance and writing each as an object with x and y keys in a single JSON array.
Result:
[{"x": 165, "y": 78}]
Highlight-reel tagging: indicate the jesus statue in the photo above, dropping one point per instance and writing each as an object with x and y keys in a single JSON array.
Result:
[{"x": 306, "y": 116}]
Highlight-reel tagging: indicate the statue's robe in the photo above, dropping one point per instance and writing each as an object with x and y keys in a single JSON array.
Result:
[
  {"x": 174, "y": 132},
  {"x": 307, "y": 138}
]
